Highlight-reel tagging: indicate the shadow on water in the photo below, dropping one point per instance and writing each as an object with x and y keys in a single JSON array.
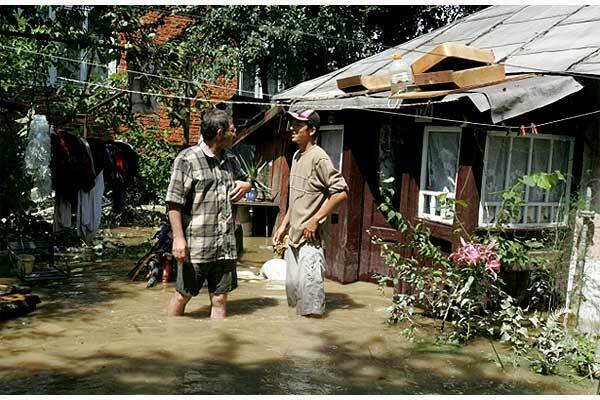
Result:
[
  {"x": 89, "y": 286},
  {"x": 339, "y": 370},
  {"x": 340, "y": 301},
  {"x": 98, "y": 333}
]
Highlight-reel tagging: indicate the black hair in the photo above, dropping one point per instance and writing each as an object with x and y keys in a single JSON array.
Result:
[{"x": 213, "y": 120}]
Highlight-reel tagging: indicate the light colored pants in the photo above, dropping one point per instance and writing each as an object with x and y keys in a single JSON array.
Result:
[{"x": 305, "y": 267}]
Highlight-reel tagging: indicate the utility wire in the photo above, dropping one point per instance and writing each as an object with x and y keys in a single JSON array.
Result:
[
  {"x": 120, "y": 69},
  {"x": 320, "y": 106},
  {"x": 180, "y": 97},
  {"x": 326, "y": 106},
  {"x": 543, "y": 70}
]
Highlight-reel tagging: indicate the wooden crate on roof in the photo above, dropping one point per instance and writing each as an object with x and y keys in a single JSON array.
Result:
[
  {"x": 460, "y": 79},
  {"x": 372, "y": 83},
  {"x": 452, "y": 56}
]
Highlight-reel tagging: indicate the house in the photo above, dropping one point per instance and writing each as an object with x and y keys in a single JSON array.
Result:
[{"x": 466, "y": 144}]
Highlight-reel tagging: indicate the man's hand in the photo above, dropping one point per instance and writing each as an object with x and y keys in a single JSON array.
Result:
[
  {"x": 310, "y": 229},
  {"x": 279, "y": 235},
  {"x": 240, "y": 189},
  {"x": 179, "y": 249}
]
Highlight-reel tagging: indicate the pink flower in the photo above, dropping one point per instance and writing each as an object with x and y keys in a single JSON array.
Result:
[{"x": 477, "y": 254}]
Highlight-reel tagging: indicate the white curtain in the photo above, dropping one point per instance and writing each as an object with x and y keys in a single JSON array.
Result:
[{"x": 442, "y": 161}]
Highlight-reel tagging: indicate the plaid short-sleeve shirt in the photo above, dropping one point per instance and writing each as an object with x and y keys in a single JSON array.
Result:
[{"x": 201, "y": 184}]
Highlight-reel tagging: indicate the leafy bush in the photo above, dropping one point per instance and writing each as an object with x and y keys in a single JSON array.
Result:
[
  {"x": 154, "y": 166},
  {"x": 464, "y": 291}
]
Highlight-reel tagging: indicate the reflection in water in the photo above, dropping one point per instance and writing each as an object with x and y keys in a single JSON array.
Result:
[{"x": 100, "y": 334}]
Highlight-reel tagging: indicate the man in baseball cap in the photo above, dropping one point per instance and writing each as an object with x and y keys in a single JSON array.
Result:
[
  {"x": 311, "y": 117},
  {"x": 316, "y": 190}
]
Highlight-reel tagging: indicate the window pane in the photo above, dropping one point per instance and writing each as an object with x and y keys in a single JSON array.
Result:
[
  {"x": 331, "y": 140},
  {"x": 442, "y": 161},
  {"x": 519, "y": 159},
  {"x": 560, "y": 162},
  {"x": 539, "y": 163},
  {"x": 495, "y": 172},
  {"x": 386, "y": 153},
  {"x": 248, "y": 80}
]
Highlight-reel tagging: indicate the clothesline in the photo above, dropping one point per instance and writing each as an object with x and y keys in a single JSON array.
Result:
[{"x": 367, "y": 107}]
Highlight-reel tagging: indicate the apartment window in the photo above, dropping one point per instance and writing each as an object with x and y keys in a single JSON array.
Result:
[
  {"x": 331, "y": 139},
  {"x": 249, "y": 83},
  {"x": 76, "y": 63},
  {"x": 439, "y": 168},
  {"x": 508, "y": 158}
]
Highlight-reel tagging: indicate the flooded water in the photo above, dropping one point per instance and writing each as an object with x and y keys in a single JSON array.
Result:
[{"x": 98, "y": 333}]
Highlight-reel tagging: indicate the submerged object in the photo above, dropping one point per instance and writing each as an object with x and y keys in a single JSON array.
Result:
[{"x": 274, "y": 269}]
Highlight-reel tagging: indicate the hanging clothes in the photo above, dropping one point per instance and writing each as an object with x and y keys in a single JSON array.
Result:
[
  {"x": 62, "y": 213},
  {"x": 89, "y": 210},
  {"x": 121, "y": 172}
]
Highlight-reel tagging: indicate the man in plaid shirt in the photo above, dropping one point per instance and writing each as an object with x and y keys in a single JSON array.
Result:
[{"x": 205, "y": 180}]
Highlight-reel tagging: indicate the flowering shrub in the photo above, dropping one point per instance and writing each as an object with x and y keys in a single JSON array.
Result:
[{"x": 464, "y": 292}]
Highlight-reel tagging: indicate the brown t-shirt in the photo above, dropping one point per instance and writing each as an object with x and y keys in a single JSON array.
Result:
[{"x": 313, "y": 178}]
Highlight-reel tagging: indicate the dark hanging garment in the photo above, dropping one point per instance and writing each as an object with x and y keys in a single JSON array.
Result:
[
  {"x": 120, "y": 172},
  {"x": 83, "y": 172},
  {"x": 99, "y": 155},
  {"x": 129, "y": 159},
  {"x": 61, "y": 167}
]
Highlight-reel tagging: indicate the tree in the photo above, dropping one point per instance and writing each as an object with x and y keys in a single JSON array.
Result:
[
  {"x": 293, "y": 42},
  {"x": 302, "y": 42}
]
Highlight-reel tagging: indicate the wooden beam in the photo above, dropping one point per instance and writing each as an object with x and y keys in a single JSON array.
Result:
[
  {"x": 372, "y": 83},
  {"x": 437, "y": 93},
  {"x": 446, "y": 51},
  {"x": 104, "y": 102},
  {"x": 272, "y": 112},
  {"x": 461, "y": 79}
]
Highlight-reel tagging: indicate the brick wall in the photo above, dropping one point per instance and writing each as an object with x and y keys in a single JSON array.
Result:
[{"x": 170, "y": 28}]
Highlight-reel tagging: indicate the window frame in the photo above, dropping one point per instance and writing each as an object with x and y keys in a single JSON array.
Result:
[
  {"x": 325, "y": 128},
  {"x": 258, "y": 90},
  {"x": 568, "y": 174},
  {"x": 422, "y": 192},
  {"x": 84, "y": 57}
]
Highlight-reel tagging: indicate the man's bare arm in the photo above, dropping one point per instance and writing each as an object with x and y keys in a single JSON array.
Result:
[
  {"x": 311, "y": 226},
  {"x": 179, "y": 242},
  {"x": 282, "y": 230}
]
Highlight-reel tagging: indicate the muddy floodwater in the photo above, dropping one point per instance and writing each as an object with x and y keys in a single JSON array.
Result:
[{"x": 98, "y": 333}]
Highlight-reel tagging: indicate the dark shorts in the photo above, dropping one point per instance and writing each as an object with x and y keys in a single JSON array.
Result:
[{"x": 221, "y": 277}]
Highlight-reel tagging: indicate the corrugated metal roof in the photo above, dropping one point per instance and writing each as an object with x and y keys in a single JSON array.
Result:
[{"x": 524, "y": 38}]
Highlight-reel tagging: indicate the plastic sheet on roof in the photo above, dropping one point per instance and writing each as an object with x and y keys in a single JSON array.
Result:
[{"x": 504, "y": 100}]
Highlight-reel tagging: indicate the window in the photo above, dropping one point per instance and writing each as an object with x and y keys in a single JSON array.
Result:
[
  {"x": 142, "y": 103},
  {"x": 249, "y": 83},
  {"x": 439, "y": 168},
  {"x": 331, "y": 139},
  {"x": 507, "y": 159},
  {"x": 67, "y": 66}
]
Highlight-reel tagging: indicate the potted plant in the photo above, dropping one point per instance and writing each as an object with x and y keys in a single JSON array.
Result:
[{"x": 253, "y": 169}]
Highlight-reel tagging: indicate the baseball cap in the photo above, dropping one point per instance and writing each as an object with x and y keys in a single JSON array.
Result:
[{"x": 308, "y": 115}]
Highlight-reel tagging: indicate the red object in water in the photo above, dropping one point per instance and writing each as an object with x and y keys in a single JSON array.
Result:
[{"x": 166, "y": 270}]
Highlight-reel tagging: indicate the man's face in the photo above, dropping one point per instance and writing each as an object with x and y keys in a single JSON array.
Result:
[
  {"x": 300, "y": 132},
  {"x": 228, "y": 136}
]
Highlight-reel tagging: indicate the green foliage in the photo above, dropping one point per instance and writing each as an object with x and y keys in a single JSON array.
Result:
[
  {"x": 155, "y": 162},
  {"x": 513, "y": 197},
  {"x": 551, "y": 344},
  {"x": 254, "y": 169},
  {"x": 468, "y": 300}
]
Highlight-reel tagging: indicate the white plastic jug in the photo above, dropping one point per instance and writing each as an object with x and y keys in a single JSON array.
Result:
[{"x": 400, "y": 74}]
